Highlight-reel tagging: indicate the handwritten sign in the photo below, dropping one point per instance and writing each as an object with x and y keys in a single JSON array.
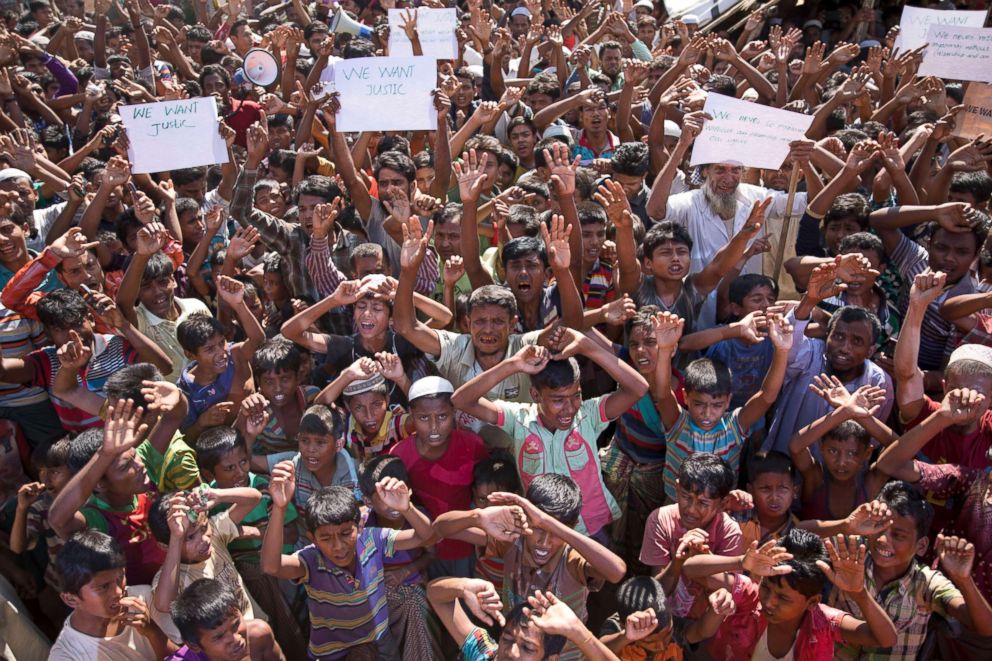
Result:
[
  {"x": 916, "y": 22},
  {"x": 173, "y": 134},
  {"x": 435, "y": 27},
  {"x": 386, "y": 93},
  {"x": 976, "y": 117},
  {"x": 746, "y": 133},
  {"x": 958, "y": 53}
]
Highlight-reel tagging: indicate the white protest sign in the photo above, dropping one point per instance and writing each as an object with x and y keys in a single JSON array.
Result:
[
  {"x": 435, "y": 27},
  {"x": 976, "y": 117},
  {"x": 386, "y": 93},
  {"x": 916, "y": 21},
  {"x": 171, "y": 135},
  {"x": 958, "y": 53},
  {"x": 747, "y": 133}
]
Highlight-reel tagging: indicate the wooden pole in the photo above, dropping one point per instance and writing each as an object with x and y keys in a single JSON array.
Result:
[{"x": 787, "y": 222}]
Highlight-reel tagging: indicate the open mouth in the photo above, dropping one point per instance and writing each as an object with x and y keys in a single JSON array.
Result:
[
  {"x": 540, "y": 555},
  {"x": 883, "y": 553},
  {"x": 279, "y": 399},
  {"x": 366, "y": 326}
]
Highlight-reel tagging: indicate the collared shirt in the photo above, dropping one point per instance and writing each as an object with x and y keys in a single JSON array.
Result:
[
  {"x": 163, "y": 331},
  {"x": 572, "y": 452},
  {"x": 582, "y": 148},
  {"x": 909, "y": 601},
  {"x": 345, "y": 475},
  {"x": 347, "y": 610},
  {"x": 797, "y": 406}
]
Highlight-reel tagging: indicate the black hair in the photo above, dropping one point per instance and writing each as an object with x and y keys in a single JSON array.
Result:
[
  {"x": 967, "y": 367},
  {"x": 860, "y": 241},
  {"x": 850, "y": 137},
  {"x": 423, "y": 159},
  {"x": 708, "y": 377},
  {"x": 213, "y": 443},
  {"x": 82, "y": 449},
  {"x": 851, "y": 314},
  {"x": 54, "y": 454},
  {"x": 284, "y": 159},
  {"x": 363, "y": 250},
  {"x": 665, "y": 232},
  {"x": 849, "y": 429},
  {"x": 591, "y": 213},
  {"x": 449, "y": 213},
  {"x": 196, "y": 330},
  {"x": 158, "y": 518},
  {"x": 318, "y": 420},
  {"x": 556, "y": 495},
  {"x": 542, "y": 85},
  {"x": 771, "y": 462},
  {"x": 126, "y": 383},
  {"x": 978, "y": 184},
  {"x": 198, "y": 33},
  {"x": 493, "y": 295},
  {"x": 707, "y": 474},
  {"x": 185, "y": 205},
  {"x": 318, "y": 185},
  {"x": 852, "y": 206},
  {"x": 276, "y": 355},
  {"x": 358, "y": 47},
  {"x": 903, "y": 499},
  {"x": 396, "y": 143},
  {"x": 524, "y": 246},
  {"x": 643, "y": 318},
  {"x": 379, "y": 468},
  {"x": 557, "y": 374},
  {"x": 526, "y": 215},
  {"x": 205, "y": 604},
  {"x": 315, "y": 27},
  {"x": 500, "y": 470},
  {"x": 640, "y": 593},
  {"x": 743, "y": 285},
  {"x": 397, "y": 162},
  {"x": 720, "y": 84},
  {"x": 631, "y": 159},
  {"x": 158, "y": 266},
  {"x": 331, "y": 506},
  {"x": 806, "y": 548},
  {"x": 214, "y": 69},
  {"x": 83, "y": 556},
  {"x": 63, "y": 308},
  {"x": 516, "y": 619}
]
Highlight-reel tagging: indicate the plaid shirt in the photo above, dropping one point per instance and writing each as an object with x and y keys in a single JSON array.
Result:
[{"x": 908, "y": 601}]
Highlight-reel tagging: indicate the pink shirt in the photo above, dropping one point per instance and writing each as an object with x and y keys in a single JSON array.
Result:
[
  {"x": 444, "y": 485},
  {"x": 662, "y": 534}
]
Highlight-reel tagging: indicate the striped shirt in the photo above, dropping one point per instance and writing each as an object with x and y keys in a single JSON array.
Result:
[
  {"x": 685, "y": 439},
  {"x": 347, "y": 610},
  {"x": 345, "y": 475},
  {"x": 111, "y": 354},
  {"x": 19, "y": 336},
  {"x": 938, "y": 337},
  {"x": 597, "y": 289}
]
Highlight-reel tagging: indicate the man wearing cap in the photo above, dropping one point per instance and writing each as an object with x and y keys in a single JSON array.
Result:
[{"x": 519, "y": 22}]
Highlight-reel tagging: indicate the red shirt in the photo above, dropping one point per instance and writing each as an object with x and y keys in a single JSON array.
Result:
[
  {"x": 444, "y": 485},
  {"x": 243, "y": 114}
]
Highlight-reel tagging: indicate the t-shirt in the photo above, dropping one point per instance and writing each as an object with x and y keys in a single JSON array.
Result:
[
  {"x": 686, "y": 438},
  {"x": 258, "y": 517},
  {"x": 202, "y": 396},
  {"x": 444, "y": 485},
  {"x": 129, "y": 526},
  {"x": 662, "y": 534},
  {"x": 163, "y": 332},
  {"x": 345, "y": 475},
  {"x": 243, "y": 114},
  {"x": 128, "y": 645},
  {"x": 748, "y": 364},
  {"x": 176, "y": 470}
]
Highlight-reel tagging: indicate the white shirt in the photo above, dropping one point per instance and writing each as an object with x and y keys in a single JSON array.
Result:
[{"x": 129, "y": 645}]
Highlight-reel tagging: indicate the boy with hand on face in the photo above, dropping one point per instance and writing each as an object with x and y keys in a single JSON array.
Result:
[
  {"x": 106, "y": 621},
  {"x": 558, "y": 434},
  {"x": 342, "y": 570}
]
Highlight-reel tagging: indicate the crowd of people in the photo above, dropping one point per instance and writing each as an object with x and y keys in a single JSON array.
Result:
[{"x": 526, "y": 386}]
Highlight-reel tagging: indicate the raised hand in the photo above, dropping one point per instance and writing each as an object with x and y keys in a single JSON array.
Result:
[
  {"x": 927, "y": 287},
  {"x": 215, "y": 415},
  {"x": 255, "y": 413},
  {"x": 667, "y": 330},
  {"x": 556, "y": 242},
  {"x": 692, "y": 125},
  {"x": 178, "y": 516},
  {"x": 454, "y": 269},
  {"x": 123, "y": 429},
  {"x": 324, "y": 217},
  {"x": 390, "y": 365},
  {"x": 105, "y": 309},
  {"x": 611, "y": 196},
  {"x": 869, "y": 519},
  {"x": 483, "y": 601},
  {"x": 957, "y": 217},
  {"x": 74, "y": 354},
  {"x": 394, "y": 494},
  {"x": 151, "y": 238},
  {"x": 551, "y": 615},
  {"x": 504, "y": 523},
  {"x": 847, "y": 563},
  {"x": 282, "y": 486},
  {"x": 767, "y": 560},
  {"x": 693, "y": 542},
  {"x": 160, "y": 396},
  {"x": 562, "y": 169},
  {"x": 779, "y": 332},
  {"x": 231, "y": 291},
  {"x": 830, "y": 389},
  {"x": 532, "y": 358},
  {"x": 257, "y": 142},
  {"x": 864, "y": 402},
  {"x": 472, "y": 177},
  {"x": 823, "y": 283},
  {"x": 738, "y": 501},
  {"x": 347, "y": 292},
  {"x": 753, "y": 327},
  {"x": 243, "y": 242},
  {"x": 957, "y": 556},
  {"x": 640, "y": 625},
  {"x": 29, "y": 493},
  {"x": 415, "y": 242},
  {"x": 619, "y": 310},
  {"x": 963, "y": 405}
]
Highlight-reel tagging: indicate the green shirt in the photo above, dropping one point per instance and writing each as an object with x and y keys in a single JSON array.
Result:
[
  {"x": 258, "y": 518},
  {"x": 176, "y": 470}
]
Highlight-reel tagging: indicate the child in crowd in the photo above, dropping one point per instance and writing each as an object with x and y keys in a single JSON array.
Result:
[
  {"x": 108, "y": 621},
  {"x": 694, "y": 524},
  {"x": 541, "y": 549},
  {"x": 497, "y": 473},
  {"x": 216, "y": 379},
  {"x": 213, "y": 628},
  {"x": 705, "y": 424},
  {"x": 319, "y": 463},
  {"x": 840, "y": 480},
  {"x": 196, "y": 546},
  {"x": 342, "y": 570},
  {"x": 559, "y": 419},
  {"x": 410, "y": 618},
  {"x": 440, "y": 459},
  {"x": 276, "y": 367},
  {"x": 772, "y": 484}
]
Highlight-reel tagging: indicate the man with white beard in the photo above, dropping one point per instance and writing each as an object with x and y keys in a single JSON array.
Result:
[{"x": 714, "y": 213}]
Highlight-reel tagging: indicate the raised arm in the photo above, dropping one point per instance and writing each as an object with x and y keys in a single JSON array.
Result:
[
  {"x": 405, "y": 321},
  {"x": 780, "y": 335},
  {"x": 910, "y": 394},
  {"x": 661, "y": 189},
  {"x": 274, "y": 562}
]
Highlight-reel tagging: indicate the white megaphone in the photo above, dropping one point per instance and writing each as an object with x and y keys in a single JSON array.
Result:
[
  {"x": 346, "y": 24},
  {"x": 260, "y": 67}
]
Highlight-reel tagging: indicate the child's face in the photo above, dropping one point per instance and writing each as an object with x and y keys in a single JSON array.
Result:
[
  {"x": 844, "y": 457},
  {"x": 54, "y": 478},
  {"x": 433, "y": 421},
  {"x": 643, "y": 346},
  {"x": 213, "y": 355},
  {"x": 780, "y": 602},
  {"x": 898, "y": 544},
  {"x": 275, "y": 288},
  {"x": 526, "y": 277},
  {"x": 849, "y": 345},
  {"x": 697, "y": 509},
  {"x": 317, "y": 450},
  {"x": 232, "y": 470},
  {"x": 669, "y": 261},
  {"x": 226, "y": 642},
  {"x": 520, "y": 643},
  {"x": 859, "y": 286},
  {"x": 337, "y": 542},
  {"x": 367, "y": 265},
  {"x": 279, "y": 386},
  {"x": 836, "y": 230},
  {"x": 593, "y": 236},
  {"x": 126, "y": 476},
  {"x": 706, "y": 410},
  {"x": 558, "y": 406},
  {"x": 383, "y": 512},
  {"x": 196, "y": 546},
  {"x": 369, "y": 410},
  {"x": 773, "y": 494},
  {"x": 372, "y": 317},
  {"x": 157, "y": 294},
  {"x": 758, "y": 299},
  {"x": 481, "y": 491},
  {"x": 542, "y": 546},
  {"x": 101, "y": 597},
  {"x": 506, "y": 175}
]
